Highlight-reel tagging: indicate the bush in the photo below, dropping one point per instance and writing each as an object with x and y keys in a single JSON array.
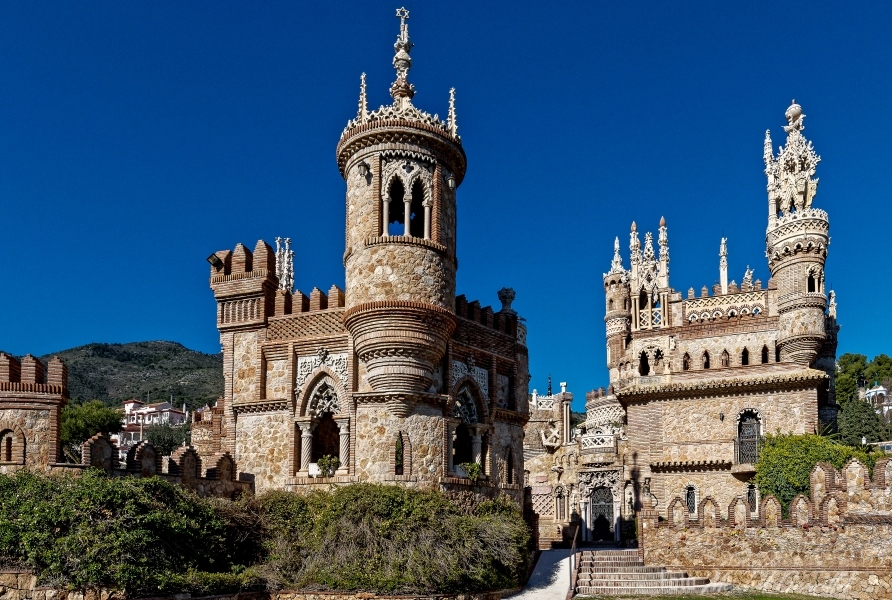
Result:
[
  {"x": 80, "y": 422},
  {"x": 167, "y": 438},
  {"x": 786, "y": 461},
  {"x": 126, "y": 533},
  {"x": 149, "y": 537},
  {"x": 388, "y": 539}
]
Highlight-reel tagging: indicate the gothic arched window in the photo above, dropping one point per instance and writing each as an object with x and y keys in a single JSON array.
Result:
[
  {"x": 417, "y": 211},
  {"x": 690, "y": 499},
  {"x": 706, "y": 360},
  {"x": 509, "y": 465},
  {"x": 467, "y": 440},
  {"x": 394, "y": 207},
  {"x": 764, "y": 354},
  {"x": 560, "y": 504},
  {"x": 643, "y": 365},
  {"x": 686, "y": 362},
  {"x": 726, "y": 359},
  {"x": 745, "y": 357},
  {"x": 812, "y": 284}
]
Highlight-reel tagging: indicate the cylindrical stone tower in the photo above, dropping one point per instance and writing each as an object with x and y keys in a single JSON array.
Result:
[
  {"x": 796, "y": 243},
  {"x": 618, "y": 316},
  {"x": 402, "y": 167}
]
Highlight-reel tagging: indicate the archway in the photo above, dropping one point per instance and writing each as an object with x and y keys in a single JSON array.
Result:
[{"x": 601, "y": 507}]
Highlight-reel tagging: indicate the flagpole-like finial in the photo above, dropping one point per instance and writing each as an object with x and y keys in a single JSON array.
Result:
[
  {"x": 452, "y": 123},
  {"x": 363, "y": 114},
  {"x": 402, "y": 90}
]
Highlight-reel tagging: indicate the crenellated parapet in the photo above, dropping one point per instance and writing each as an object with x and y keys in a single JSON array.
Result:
[{"x": 244, "y": 285}]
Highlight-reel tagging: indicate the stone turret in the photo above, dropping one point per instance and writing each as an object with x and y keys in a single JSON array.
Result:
[
  {"x": 402, "y": 167},
  {"x": 796, "y": 242},
  {"x": 618, "y": 302}
]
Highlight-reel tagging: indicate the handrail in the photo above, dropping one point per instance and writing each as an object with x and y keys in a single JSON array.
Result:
[{"x": 573, "y": 574}]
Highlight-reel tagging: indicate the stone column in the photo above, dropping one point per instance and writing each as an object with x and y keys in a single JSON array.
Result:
[
  {"x": 385, "y": 225},
  {"x": 477, "y": 445},
  {"x": 407, "y": 215},
  {"x": 450, "y": 439},
  {"x": 306, "y": 443},
  {"x": 344, "y": 431},
  {"x": 427, "y": 221}
]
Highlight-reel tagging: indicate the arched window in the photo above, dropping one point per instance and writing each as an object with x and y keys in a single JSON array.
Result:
[
  {"x": 686, "y": 362},
  {"x": 745, "y": 357},
  {"x": 764, "y": 354},
  {"x": 643, "y": 365},
  {"x": 752, "y": 498},
  {"x": 749, "y": 430},
  {"x": 509, "y": 466},
  {"x": 417, "y": 210},
  {"x": 777, "y": 354},
  {"x": 399, "y": 455},
  {"x": 812, "y": 284},
  {"x": 560, "y": 504},
  {"x": 7, "y": 447},
  {"x": 12, "y": 447},
  {"x": 690, "y": 499},
  {"x": 625, "y": 304},
  {"x": 726, "y": 359},
  {"x": 706, "y": 360},
  {"x": 467, "y": 444},
  {"x": 610, "y": 304},
  {"x": 395, "y": 210}
]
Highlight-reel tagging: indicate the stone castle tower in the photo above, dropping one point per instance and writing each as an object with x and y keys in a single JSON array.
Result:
[{"x": 395, "y": 376}]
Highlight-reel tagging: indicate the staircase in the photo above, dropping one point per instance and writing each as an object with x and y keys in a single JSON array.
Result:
[{"x": 623, "y": 573}]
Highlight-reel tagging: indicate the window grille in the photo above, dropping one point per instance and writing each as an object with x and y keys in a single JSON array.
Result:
[{"x": 690, "y": 497}]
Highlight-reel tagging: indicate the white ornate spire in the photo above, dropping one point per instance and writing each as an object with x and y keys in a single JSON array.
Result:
[
  {"x": 451, "y": 122},
  {"x": 285, "y": 264},
  {"x": 634, "y": 245},
  {"x": 723, "y": 265},
  {"x": 648, "y": 247},
  {"x": 401, "y": 90},
  {"x": 663, "y": 240},
  {"x": 747, "y": 284},
  {"x": 791, "y": 182},
  {"x": 617, "y": 265},
  {"x": 363, "y": 114}
]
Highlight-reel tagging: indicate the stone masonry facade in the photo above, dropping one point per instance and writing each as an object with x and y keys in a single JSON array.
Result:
[
  {"x": 395, "y": 376},
  {"x": 696, "y": 378}
]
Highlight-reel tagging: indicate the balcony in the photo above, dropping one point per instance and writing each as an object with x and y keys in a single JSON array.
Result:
[
  {"x": 746, "y": 454},
  {"x": 598, "y": 447}
]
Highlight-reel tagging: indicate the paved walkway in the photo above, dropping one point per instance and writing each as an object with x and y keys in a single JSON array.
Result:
[{"x": 550, "y": 579}]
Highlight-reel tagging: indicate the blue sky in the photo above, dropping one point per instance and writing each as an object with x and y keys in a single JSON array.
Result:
[{"x": 138, "y": 137}]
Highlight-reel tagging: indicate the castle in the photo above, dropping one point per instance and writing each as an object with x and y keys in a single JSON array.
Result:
[
  {"x": 395, "y": 376},
  {"x": 696, "y": 380}
]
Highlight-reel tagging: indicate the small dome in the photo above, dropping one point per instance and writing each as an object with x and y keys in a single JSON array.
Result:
[
  {"x": 662, "y": 221},
  {"x": 793, "y": 113}
]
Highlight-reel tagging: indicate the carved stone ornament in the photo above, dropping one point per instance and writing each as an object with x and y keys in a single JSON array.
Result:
[
  {"x": 465, "y": 408},
  {"x": 481, "y": 376},
  {"x": 588, "y": 481},
  {"x": 306, "y": 365},
  {"x": 285, "y": 264},
  {"x": 791, "y": 182},
  {"x": 324, "y": 400}
]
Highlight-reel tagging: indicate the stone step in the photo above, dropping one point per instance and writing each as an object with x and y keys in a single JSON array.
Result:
[
  {"x": 611, "y": 563},
  {"x": 684, "y": 582},
  {"x": 653, "y": 590},
  {"x": 627, "y": 569},
  {"x": 610, "y": 553},
  {"x": 630, "y": 576}
]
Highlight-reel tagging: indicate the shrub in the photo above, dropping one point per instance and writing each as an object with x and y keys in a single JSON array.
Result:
[{"x": 786, "y": 461}]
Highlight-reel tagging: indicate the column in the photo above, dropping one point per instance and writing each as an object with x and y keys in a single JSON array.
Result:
[
  {"x": 450, "y": 439},
  {"x": 477, "y": 445},
  {"x": 427, "y": 221},
  {"x": 407, "y": 214},
  {"x": 344, "y": 454},
  {"x": 385, "y": 215},
  {"x": 306, "y": 444},
  {"x": 584, "y": 520}
]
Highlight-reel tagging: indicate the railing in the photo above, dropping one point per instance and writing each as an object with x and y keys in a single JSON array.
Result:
[
  {"x": 598, "y": 442},
  {"x": 746, "y": 450},
  {"x": 573, "y": 568}
]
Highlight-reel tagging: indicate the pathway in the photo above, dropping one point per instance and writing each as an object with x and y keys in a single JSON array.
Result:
[{"x": 550, "y": 579}]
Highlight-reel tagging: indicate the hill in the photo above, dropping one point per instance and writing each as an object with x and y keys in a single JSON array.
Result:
[{"x": 113, "y": 373}]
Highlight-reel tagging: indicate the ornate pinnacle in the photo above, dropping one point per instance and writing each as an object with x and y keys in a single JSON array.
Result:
[
  {"x": 451, "y": 123},
  {"x": 723, "y": 252},
  {"x": 767, "y": 153},
  {"x": 794, "y": 118},
  {"x": 663, "y": 240},
  {"x": 634, "y": 245},
  {"x": 402, "y": 62},
  {"x": 617, "y": 265},
  {"x": 363, "y": 114}
]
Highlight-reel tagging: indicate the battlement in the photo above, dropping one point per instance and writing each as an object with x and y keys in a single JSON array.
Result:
[
  {"x": 504, "y": 321},
  {"x": 29, "y": 375},
  {"x": 241, "y": 263}
]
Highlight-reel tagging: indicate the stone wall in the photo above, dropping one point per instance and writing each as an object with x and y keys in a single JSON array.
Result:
[
  {"x": 34, "y": 426},
  {"x": 836, "y": 543},
  {"x": 264, "y": 444}
]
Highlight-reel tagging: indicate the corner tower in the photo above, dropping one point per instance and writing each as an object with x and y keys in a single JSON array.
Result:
[
  {"x": 402, "y": 167},
  {"x": 796, "y": 242}
]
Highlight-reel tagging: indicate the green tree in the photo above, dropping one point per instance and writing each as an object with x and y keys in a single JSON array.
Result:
[
  {"x": 82, "y": 421},
  {"x": 856, "y": 420},
  {"x": 786, "y": 460},
  {"x": 167, "y": 437},
  {"x": 878, "y": 370},
  {"x": 848, "y": 369}
]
